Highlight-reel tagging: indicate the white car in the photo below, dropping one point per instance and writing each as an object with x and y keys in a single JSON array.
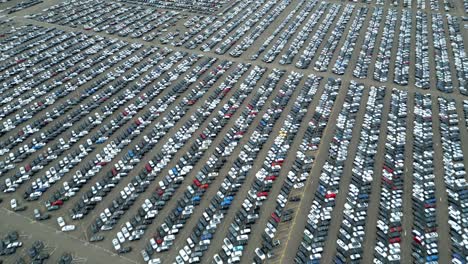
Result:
[
  {"x": 217, "y": 259},
  {"x": 125, "y": 232},
  {"x": 61, "y": 222},
  {"x": 15, "y": 244},
  {"x": 68, "y": 228},
  {"x": 260, "y": 253},
  {"x": 121, "y": 237},
  {"x": 13, "y": 204},
  {"x": 184, "y": 255},
  {"x": 116, "y": 244}
]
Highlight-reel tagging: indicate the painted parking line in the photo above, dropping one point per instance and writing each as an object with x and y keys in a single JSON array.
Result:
[{"x": 52, "y": 252}]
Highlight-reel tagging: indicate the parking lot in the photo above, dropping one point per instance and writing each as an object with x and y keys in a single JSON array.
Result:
[{"x": 268, "y": 131}]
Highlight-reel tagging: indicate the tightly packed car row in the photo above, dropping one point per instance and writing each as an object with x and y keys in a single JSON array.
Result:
[
  {"x": 432, "y": 5},
  {"x": 319, "y": 217},
  {"x": 111, "y": 18},
  {"x": 168, "y": 185},
  {"x": 352, "y": 229},
  {"x": 22, "y": 5},
  {"x": 204, "y": 178},
  {"x": 239, "y": 32},
  {"x": 199, "y": 6},
  {"x": 455, "y": 179},
  {"x": 294, "y": 183},
  {"x": 390, "y": 212},
  {"x": 265, "y": 179},
  {"x": 424, "y": 231},
  {"x": 465, "y": 112},
  {"x": 225, "y": 197}
]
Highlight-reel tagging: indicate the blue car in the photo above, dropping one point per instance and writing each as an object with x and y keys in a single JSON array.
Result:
[
  {"x": 225, "y": 203},
  {"x": 207, "y": 237}
]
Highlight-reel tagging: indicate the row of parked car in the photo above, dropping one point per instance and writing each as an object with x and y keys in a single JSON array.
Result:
[
  {"x": 171, "y": 182},
  {"x": 265, "y": 179},
  {"x": 186, "y": 205},
  {"x": 157, "y": 163},
  {"x": 46, "y": 99},
  {"x": 390, "y": 212},
  {"x": 299, "y": 172},
  {"x": 346, "y": 51},
  {"x": 424, "y": 231},
  {"x": 442, "y": 62},
  {"x": 208, "y": 7},
  {"x": 455, "y": 180},
  {"x": 248, "y": 40},
  {"x": 225, "y": 197},
  {"x": 303, "y": 34},
  {"x": 288, "y": 32},
  {"x": 352, "y": 233},
  {"x": 133, "y": 155},
  {"x": 52, "y": 153},
  {"x": 208, "y": 27},
  {"x": 242, "y": 25},
  {"x": 22, "y": 5},
  {"x": 313, "y": 45},
  {"x": 241, "y": 31},
  {"x": 111, "y": 18},
  {"x": 458, "y": 48},
  {"x": 402, "y": 62},
  {"x": 367, "y": 49},
  {"x": 108, "y": 103},
  {"x": 465, "y": 112},
  {"x": 21, "y": 75},
  {"x": 319, "y": 217},
  {"x": 328, "y": 50},
  {"x": 384, "y": 53},
  {"x": 422, "y": 71}
]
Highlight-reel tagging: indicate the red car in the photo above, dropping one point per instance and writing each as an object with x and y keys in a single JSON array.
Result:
[
  {"x": 270, "y": 178},
  {"x": 394, "y": 240},
  {"x": 261, "y": 194},
  {"x": 388, "y": 169},
  {"x": 148, "y": 167},
  {"x": 275, "y": 217},
  {"x": 159, "y": 191},
  {"x": 330, "y": 195},
  {"x": 204, "y": 186},
  {"x": 197, "y": 182},
  {"x": 396, "y": 229},
  {"x": 58, "y": 202}
]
